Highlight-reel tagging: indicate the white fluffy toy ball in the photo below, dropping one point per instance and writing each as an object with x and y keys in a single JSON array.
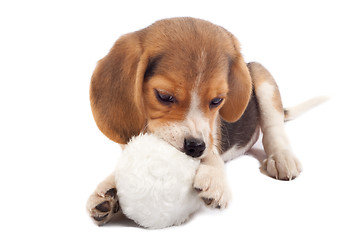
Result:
[{"x": 154, "y": 183}]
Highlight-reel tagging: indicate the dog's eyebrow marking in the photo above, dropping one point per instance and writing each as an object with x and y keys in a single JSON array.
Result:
[{"x": 151, "y": 67}]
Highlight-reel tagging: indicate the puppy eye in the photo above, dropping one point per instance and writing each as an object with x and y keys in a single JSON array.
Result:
[
  {"x": 215, "y": 102},
  {"x": 165, "y": 98}
]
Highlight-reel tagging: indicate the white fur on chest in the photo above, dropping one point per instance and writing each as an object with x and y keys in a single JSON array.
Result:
[{"x": 237, "y": 151}]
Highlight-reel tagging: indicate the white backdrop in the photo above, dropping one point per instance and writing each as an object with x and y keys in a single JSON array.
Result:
[{"x": 52, "y": 155}]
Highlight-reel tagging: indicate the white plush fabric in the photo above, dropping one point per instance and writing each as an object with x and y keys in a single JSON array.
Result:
[{"x": 154, "y": 182}]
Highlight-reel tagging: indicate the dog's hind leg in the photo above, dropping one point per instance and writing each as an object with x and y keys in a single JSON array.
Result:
[{"x": 281, "y": 162}]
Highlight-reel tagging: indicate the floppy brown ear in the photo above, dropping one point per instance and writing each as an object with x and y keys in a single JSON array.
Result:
[
  {"x": 240, "y": 89},
  {"x": 116, "y": 90}
]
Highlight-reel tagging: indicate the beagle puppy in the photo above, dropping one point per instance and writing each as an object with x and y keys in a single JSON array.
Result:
[{"x": 185, "y": 80}]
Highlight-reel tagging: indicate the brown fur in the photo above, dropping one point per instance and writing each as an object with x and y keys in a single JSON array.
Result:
[
  {"x": 260, "y": 76},
  {"x": 174, "y": 55}
]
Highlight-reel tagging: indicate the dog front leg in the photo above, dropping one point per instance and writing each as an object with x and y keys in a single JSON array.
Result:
[
  {"x": 103, "y": 204},
  {"x": 211, "y": 183}
]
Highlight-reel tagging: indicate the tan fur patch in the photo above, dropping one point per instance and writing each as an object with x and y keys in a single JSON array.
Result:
[
  {"x": 277, "y": 103},
  {"x": 259, "y": 76}
]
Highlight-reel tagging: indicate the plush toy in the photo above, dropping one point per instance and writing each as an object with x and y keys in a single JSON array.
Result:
[{"x": 155, "y": 183}]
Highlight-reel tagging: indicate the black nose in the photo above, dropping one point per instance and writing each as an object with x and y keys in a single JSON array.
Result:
[{"x": 194, "y": 147}]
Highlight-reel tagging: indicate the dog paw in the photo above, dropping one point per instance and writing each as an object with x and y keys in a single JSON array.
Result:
[
  {"x": 103, "y": 206},
  {"x": 282, "y": 165},
  {"x": 213, "y": 189}
]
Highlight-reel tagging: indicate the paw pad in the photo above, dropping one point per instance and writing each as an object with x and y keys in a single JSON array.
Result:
[{"x": 102, "y": 207}]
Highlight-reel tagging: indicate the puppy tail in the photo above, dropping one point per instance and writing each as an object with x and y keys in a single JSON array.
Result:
[{"x": 296, "y": 111}]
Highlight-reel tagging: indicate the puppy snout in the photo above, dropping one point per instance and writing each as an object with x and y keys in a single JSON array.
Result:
[{"x": 194, "y": 147}]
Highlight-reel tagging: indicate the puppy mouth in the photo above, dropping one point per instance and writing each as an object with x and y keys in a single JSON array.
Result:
[
  {"x": 192, "y": 147},
  {"x": 179, "y": 138}
]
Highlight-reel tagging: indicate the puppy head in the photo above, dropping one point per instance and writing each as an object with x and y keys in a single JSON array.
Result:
[{"x": 172, "y": 79}]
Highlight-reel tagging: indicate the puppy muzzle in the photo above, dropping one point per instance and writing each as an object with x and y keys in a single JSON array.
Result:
[{"x": 194, "y": 147}]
